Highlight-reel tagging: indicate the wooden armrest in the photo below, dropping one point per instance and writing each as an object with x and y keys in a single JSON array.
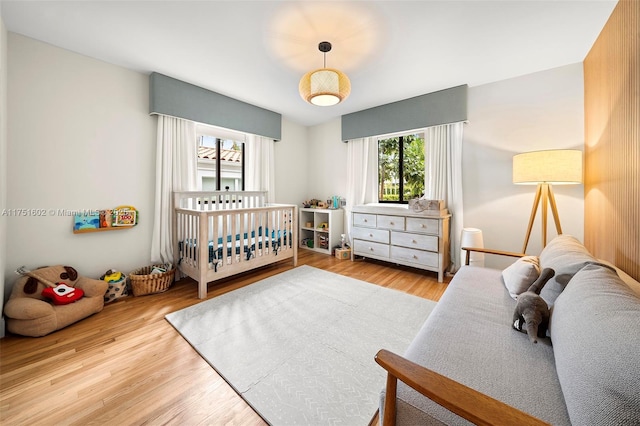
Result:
[
  {"x": 489, "y": 251},
  {"x": 468, "y": 403}
]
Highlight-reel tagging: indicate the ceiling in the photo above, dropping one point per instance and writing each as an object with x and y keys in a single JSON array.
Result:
[{"x": 256, "y": 51}]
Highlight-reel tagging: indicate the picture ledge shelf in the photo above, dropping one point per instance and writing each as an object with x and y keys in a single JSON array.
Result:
[{"x": 113, "y": 228}]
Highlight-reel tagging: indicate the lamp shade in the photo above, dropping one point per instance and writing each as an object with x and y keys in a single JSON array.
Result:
[
  {"x": 325, "y": 87},
  {"x": 559, "y": 166},
  {"x": 472, "y": 238}
]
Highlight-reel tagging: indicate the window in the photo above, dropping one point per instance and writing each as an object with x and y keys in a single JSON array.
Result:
[
  {"x": 400, "y": 168},
  {"x": 223, "y": 171}
]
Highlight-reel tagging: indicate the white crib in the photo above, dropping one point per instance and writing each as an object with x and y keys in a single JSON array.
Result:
[{"x": 241, "y": 231}]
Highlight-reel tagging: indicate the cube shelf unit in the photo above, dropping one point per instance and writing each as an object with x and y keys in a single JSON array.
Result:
[{"x": 323, "y": 227}]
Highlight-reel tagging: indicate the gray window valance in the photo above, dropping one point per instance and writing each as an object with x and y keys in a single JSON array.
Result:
[
  {"x": 176, "y": 98},
  {"x": 442, "y": 107}
]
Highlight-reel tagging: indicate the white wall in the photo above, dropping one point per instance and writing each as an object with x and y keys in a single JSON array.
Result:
[
  {"x": 291, "y": 157},
  {"x": 327, "y": 161},
  {"x": 79, "y": 137},
  {"x": 3, "y": 162},
  {"x": 544, "y": 110}
]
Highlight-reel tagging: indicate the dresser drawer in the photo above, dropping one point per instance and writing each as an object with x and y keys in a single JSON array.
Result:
[
  {"x": 425, "y": 226},
  {"x": 369, "y": 234},
  {"x": 369, "y": 248},
  {"x": 363, "y": 219},
  {"x": 424, "y": 258},
  {"x": 416, "y": 241},
  {"x": 391, "y": 222}
]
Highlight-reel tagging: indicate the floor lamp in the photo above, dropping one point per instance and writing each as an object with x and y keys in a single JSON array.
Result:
[{"x": 544, "y": 168}]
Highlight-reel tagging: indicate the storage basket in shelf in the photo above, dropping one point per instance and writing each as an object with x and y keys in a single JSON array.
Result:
[{"x": 144, "y": 282}]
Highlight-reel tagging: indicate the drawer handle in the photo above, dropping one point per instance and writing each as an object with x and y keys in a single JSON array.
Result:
[
  {"x": 422, "y": 225},
  {"x": 390, "y": 223},
  {"x": 414, "y": 241},
  {"x": 415, "y": 257},
  {"x": 365, "y": 220},
  {"x": 371, "y": 235},
  {"x": 370, "y": 248}
]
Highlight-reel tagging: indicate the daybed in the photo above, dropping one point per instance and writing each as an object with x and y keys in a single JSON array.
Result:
[
  {"x": 241, "y": 230},
  {"x": 468, "y": 358}
]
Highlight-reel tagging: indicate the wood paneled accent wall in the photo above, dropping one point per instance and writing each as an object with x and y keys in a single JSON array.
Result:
[{"x": 612, "y": 145}]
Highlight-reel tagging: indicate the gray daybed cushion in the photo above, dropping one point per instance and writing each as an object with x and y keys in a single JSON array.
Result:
[
  {"x": 566, "y": 256},
  {"x": 596, "y": 339},
  {"x": 468, "y": 337}
]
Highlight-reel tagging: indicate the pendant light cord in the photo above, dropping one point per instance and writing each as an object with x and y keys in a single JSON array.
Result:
[{"x": 324, "y": 47}]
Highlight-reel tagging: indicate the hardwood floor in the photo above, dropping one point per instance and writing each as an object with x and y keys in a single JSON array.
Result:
[{"x": 127, "y": 365}]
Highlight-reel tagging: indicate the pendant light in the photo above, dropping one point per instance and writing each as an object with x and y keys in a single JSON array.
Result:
[{"x": 325, "y": 86}]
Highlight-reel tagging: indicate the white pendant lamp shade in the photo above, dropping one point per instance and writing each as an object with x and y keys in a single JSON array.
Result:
[{"x": 325, "y": 86}]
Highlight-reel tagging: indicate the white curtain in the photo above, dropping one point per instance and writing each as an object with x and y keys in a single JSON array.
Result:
[
  {"x": 443, "y": 176},
  {"x": 176, "y": 170},
  {"x": 362, "y": 175},
  {"x": 260, "y": 165}
]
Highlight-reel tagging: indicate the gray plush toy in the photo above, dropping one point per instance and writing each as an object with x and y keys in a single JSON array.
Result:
[{"x": 532, "y": 313}]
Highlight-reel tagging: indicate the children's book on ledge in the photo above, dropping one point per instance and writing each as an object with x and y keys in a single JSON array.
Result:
[{"x": 121, "y": 217}]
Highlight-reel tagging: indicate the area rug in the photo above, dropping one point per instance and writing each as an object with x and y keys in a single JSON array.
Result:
[{"x": 299, "y": 346}]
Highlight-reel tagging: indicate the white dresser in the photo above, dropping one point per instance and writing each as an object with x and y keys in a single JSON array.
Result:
[{"x": 399, "y": 235}]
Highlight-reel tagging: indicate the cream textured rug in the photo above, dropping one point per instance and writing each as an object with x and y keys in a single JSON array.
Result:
[{"x": 299, "y": 346}]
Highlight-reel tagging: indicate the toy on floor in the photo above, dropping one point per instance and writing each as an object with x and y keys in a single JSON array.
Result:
[
  {"x": 531, "y": 315},
  {"x": 59, "y": 293},
  {"x": 118, "y": 285},
  {"x": 112, "y": 276}
]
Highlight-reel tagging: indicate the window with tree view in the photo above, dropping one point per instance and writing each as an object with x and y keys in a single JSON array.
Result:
[{"x": 400, "y": 168}]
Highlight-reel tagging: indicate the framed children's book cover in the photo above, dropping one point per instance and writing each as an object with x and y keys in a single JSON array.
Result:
[
  {"x": 86, "y": 221},
  {"x": 125, "y": 216}
]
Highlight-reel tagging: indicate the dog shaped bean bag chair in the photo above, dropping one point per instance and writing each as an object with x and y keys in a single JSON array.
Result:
[{"x": 30, "y": 313}]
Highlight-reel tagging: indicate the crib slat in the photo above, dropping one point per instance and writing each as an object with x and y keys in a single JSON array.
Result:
[
  {"x": 260, "y": 233},
  {"x": 238, "y": 221},
  {"x": 203, "y": 254},
  {"x": 225, "y": 242},
  {"x": 215, "y": 220},
  {"x": 193, "y": 231}
]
